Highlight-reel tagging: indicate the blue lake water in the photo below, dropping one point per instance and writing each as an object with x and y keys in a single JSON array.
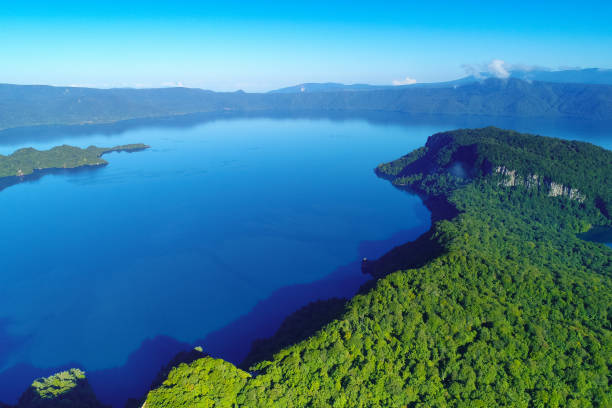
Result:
[{"x": 182, "y": 240}]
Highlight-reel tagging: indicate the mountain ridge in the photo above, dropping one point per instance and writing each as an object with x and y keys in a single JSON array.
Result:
[
  {"x": 594, "y": 76},
  {"x": 26, "y": 106}
]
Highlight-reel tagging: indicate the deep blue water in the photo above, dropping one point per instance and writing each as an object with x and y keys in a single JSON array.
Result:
[{"x": 211, "y": 236}]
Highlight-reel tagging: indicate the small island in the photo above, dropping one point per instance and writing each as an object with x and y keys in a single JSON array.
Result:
[{"x": 28, "y": 161}]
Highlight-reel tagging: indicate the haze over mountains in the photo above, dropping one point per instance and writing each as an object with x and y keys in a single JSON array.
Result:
[
  {"x": 578, "y": 76},
  {"x": 587, "y": 96}
]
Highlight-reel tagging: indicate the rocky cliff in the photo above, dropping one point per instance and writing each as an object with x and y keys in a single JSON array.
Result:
[{"x": 535, "y": 181}]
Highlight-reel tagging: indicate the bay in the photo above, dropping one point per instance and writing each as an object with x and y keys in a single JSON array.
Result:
[{"x": 184, "y": 240}]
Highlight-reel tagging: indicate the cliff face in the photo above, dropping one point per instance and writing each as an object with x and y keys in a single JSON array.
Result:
[
  {"x": 535, "y": 181},
  {"x": 574, "y": 170}
]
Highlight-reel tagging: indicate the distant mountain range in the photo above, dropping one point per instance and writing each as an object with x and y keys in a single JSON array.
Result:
[
  {"x": 577, "y": 76},
  {"x": 34, "y": 105},
  {"x": 337, "y": 87}
]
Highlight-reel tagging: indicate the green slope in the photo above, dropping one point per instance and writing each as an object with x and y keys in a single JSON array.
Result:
[{"x": 512, "y": 309}]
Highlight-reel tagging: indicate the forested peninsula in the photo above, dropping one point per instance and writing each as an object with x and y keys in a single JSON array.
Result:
[
  {"x": 27, "y": 161},
  {"x": 499, "y": 304}
]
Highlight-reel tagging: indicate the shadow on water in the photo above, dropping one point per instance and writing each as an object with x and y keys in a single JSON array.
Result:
[
  {"x": 6, "y": 182},
  {"x": 8, "y": 343},
  {"x": 113, "y": 385},
  {"x": 232, "y": 342},
  {"x": 600, "y": 234}
]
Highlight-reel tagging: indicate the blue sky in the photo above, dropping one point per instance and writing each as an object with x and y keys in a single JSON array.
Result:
[{"x": 229, "y": 45}]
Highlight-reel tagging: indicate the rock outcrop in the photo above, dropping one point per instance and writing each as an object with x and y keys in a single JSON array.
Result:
[{"x": 535, "y": 181}]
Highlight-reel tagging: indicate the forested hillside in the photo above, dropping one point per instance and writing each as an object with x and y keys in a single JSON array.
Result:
[
  {"x": 514, "y": 312},
  {"x": 44, "y": 105}
]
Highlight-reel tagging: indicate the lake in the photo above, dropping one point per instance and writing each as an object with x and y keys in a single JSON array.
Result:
[{"x": 226, "y": 225}]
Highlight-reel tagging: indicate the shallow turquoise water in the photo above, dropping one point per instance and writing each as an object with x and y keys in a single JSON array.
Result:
[{"x": 186, "y": 237}]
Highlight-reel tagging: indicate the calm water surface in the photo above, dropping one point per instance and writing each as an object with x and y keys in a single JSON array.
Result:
[{"x": 186, "y": 237}]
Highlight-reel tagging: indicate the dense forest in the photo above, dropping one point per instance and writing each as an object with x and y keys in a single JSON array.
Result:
[
  {"x": 25, "y": 161},
  {"x": 500, "y": 304},
  {"x": 33, "y": 105}
]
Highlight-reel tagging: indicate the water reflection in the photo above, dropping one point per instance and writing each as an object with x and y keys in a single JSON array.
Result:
[{"x": 596, "y": 132}]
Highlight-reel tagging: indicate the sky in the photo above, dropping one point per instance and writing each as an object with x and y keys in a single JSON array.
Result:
[{"x": 263, "y": 45}]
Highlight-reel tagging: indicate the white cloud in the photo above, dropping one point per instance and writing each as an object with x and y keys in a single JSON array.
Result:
[
  {"x": 173, "y": 85},
  {"x": 406, "y": 81},
  {"x": 472, "y": 70},
  {"x": 497, "y": 68}
]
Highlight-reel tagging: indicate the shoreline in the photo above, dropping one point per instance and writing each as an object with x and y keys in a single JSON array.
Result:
[{"x": 38, "y": 173}]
